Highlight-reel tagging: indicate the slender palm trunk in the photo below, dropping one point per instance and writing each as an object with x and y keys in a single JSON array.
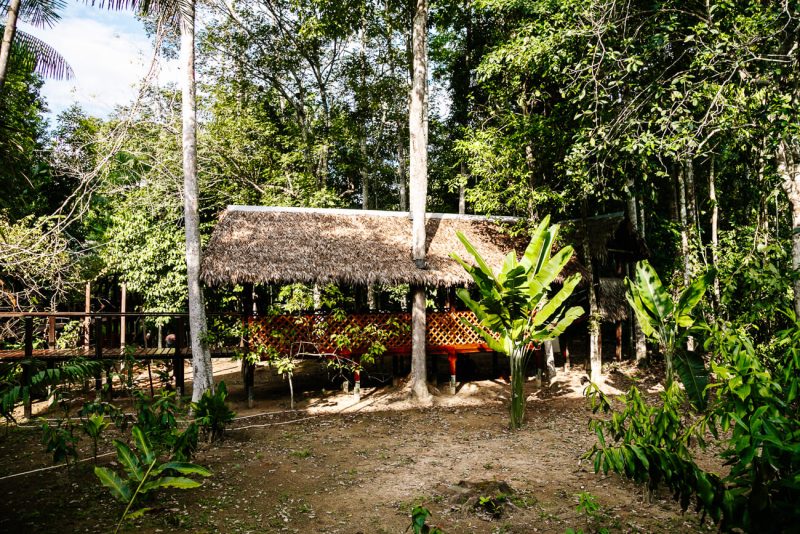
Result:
[
  {"x": 8, "y": 39},
  {"x": 201, "y": 359},
  {"x": 418, "y": 132}
]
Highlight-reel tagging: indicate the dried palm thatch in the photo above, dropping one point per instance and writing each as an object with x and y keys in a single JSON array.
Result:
[
  {"x": 611, "y": 300},
  {"x": 261, "y": 245}
]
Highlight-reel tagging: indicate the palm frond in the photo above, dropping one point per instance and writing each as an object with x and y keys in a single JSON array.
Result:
[
  {"x": 166, "y": 10},
  {"x": 33, "y": 53},
  {"x": 39, "y": 13}
]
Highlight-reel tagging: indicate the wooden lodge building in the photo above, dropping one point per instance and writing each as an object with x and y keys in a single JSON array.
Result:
[{"x": 262, "y": 246}]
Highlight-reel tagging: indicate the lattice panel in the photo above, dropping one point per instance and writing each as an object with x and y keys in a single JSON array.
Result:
[{"x": 355, "y": 332}]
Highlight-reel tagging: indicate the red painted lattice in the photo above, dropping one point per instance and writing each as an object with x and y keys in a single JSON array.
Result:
[{"x": 354, "y": 333}]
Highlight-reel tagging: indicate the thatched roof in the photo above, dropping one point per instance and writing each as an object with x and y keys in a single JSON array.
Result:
[
  {"x": 611, "y": 300},
  {"x": 253, "y": 244}
]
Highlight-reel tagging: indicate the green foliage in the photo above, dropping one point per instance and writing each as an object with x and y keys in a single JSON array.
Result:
[
  {"x": 143, "y": 474},
  {"x": 493, "y": 504},
  {"x": 56, "y": 379},
  {"x": 94, "y": 426},
  {"x": 156, "y": 419},
  {"x": 212, "y": 414},
  {"x": 419, "y": 518},
  {"x": 755, "y": 409},
  {"x": 588, "y": 507},
  {"x": 515, "y": 309},
  {"x": 106, "y": 409},
  {"x": 671, "y": 322},
  {"x": 651, "y": 444},
  {"x": 758, "y": 410},
  {"x": 60, "y": 440}
]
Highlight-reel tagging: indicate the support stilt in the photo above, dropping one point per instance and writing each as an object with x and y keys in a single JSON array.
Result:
[{"x": 452, "y": 359}]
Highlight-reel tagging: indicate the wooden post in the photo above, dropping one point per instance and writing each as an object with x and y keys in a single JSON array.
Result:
[
  {"x": 565, "y": 351},
  {"x": 51, "y": 332},
  {"x": 395, "y": 368},
  {"x": 27, "y": 368},
  {"x": 249, "y": 367},
  {"x": 122, "y": 320},
  {"x": 177, "y": 360},
  {"x": 98, "y": 353},
  {"x": 618, "y": 347},
  {"x": 357, "y": 377},
  {"x": 87, "y": 321},
  {"x": 452, "y": 358}
]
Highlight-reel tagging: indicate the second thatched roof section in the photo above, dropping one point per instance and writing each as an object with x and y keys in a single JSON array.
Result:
[{"x": 259, "y": 245}]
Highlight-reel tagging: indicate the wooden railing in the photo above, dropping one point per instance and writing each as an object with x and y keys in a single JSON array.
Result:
[{"x": 119, "y": 336}]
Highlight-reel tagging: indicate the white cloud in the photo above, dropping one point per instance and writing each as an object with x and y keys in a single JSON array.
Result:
[{"x": 109, "y": 53}]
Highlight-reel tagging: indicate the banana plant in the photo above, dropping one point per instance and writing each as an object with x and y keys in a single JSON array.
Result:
[
  {"x": 144, "y": 474},
  {"x": 515, "y": 311},
  {"x": 670, "y": 322}
]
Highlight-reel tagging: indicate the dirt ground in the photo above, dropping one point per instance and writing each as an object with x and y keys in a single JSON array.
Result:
[{"x": 337, "y": 464}]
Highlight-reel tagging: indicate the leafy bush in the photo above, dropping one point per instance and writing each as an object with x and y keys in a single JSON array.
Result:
[
  {"x": 757, "y": 408},
  {"x": 60, "y": 440},
  {"x": 142, "y": 476},
  {"x": 156, "y": 419},
  {"x": 212, "y": 414}
]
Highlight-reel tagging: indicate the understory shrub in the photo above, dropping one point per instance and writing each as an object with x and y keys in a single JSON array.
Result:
[
  {"x": 212, "y": 413},
  {"x": 752, "y": 415}
]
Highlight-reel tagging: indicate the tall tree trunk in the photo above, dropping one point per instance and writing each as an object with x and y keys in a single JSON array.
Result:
[
  {"x": 639, "y": 344},
  {"x": 462, "y": 189},
  {"x": 789, "y": 173},
  {"x": 683, "y": 224},
  {"x": 402, "y": 182},
  {"x": 364, "y": 174},
  {"x": 693, "y": 221},
  {"x": 418, "y": 155},
  {"x": 8, "y": 39},
  {"x": 362, "y": 104},
  {"x": 642, "y": 220},
  {"x": 595, "y": 356},
  {"x": 201, "y": 358},
  {"x": 712, "y": 198}
]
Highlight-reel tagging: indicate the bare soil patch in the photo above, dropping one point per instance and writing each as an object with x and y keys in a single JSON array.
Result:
[{"x": 340, "y": 465}]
